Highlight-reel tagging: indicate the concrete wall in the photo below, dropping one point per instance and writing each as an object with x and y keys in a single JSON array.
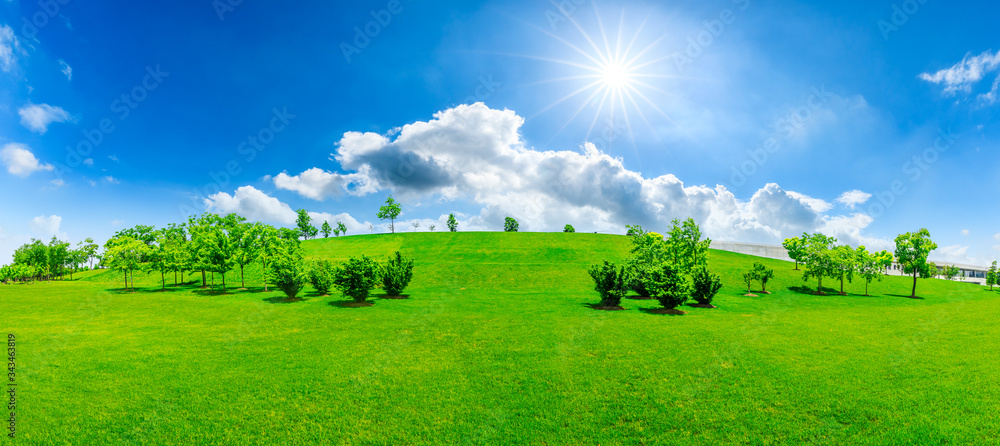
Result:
[{"x": 767, "y": 251}]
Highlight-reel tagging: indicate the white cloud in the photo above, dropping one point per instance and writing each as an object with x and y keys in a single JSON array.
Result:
[
  {"x": 57, "y": 183},
  {"x": 66, "y": 69},
  {"x": 117, "y": 223},
  {"x": 997, "y": 236},
  {"x": 8, "y": 47},
  {"x": 113, "y": 158},
  {"x": 853, "y": 198},
  {"x": 110, "y": 180},
  {"x": 37, "y": 117},
  {"x": 47, "y": 226},
  {"x": 251, "y": 203},
  {"x": 20, "y": 161},
  {"x": 953, "y": 253},
  {"x": 965, "y": 232},
  {"x": 963, "y": 75},
  {"x": 475, "y": 153},
  {"x": 88, "y": 162}
]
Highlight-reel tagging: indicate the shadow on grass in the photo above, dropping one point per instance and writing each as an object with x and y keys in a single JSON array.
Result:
[
  {"x": 283, "y": 300},
  {"x": 905, "y": 296},
  {"x": 809, "y": 290},
  {"x": 351, "y": 304},
  {"x": 396, "y": 297},
  {"x": 639, "y": 298},
  {"x": 600, "y": 307},
  {"x": 663, "y": 311}
]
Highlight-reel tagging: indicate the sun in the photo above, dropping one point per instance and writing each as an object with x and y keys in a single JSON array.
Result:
[{"x": 614, "y": 76}]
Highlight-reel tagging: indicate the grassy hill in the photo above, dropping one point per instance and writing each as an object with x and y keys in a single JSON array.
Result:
[{"x": 497, "y": 346}]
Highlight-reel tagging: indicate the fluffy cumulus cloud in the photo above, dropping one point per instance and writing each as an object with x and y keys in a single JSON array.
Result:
[
  {"x": 475, "y": 153},
  {"x": 970, "y": 71},
  {"x": 853, "y": 198},
  {"x": 37, "y": 117},
  {"x": 20, "y": 161},
  {"x": 47, "y": 226},
  {"x": 253, "y": 204}
]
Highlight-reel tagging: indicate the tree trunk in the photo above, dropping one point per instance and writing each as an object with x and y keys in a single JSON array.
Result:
[
  {"x": 796, "y": 265},
  {"x": 841, "y": 284},
  {"x": 223, "y": 282},
  {"x": 819, "y": 286},
  {"x": 175, "y": 278},
  {"x": 163, "y": 281},
  {"x": 914, "y": 293},
  {"x": 264, "y": 262},
  {"x": 763, "y": 287},
  {"x": 866, "y": 287},
  {"x": 243, "y": 281},
  {"x": 203, "y": 285},
  {"x": 126, "y": 281}
]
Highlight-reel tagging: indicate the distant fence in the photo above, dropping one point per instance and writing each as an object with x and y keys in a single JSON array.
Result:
[{"x": 776, "y": 252}]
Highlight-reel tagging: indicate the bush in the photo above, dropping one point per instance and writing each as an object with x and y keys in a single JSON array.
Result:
[
  {"x": 610, "y": 282},
  {"x": 288, "y": 274},
  {"x": 763, "y": 274},
  {"x": 569, "y": 228},
  {"x": 510, "y": 225},
  {"x": 357, "y": 278},
  {"x": 638, "y": 274},
  {"x": 396, "y": 274},
  {"x": 706, "y": 286},
  {"x": 668, "y": 285},
  {"x": 748, "y": 279},
  {"x": 321, "y": 276}
]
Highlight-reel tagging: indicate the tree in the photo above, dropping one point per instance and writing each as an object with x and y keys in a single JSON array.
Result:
[
  {"x": 304, "y": 224},
  {"x": 844, "y": 264},
  {"x": 951, "y": 271},
  {"x": 648, "y": 251},
  {"x": 396, "y": 274},
  {"x": 687, "y": 249},
  {"x": 222, "y": 245},
  {"x": 871, "y": 266},
  {"x": 199, "y": 229},
  {"x": 610, "y": 281},
  {"x": 269, "y": 241},
  {"x": 431, "y": 227},
  {"x": 818, "y": 259},
  {"x": 124, "y": 253},
  {"x": 762, "y": 274},
  {"x": 452, "y": 223},
  {"x": 796, "y": 247},
  {"x": 416, "y": 225},
  {"x": 667, "y": 284},
  {"x": 175, "y": 248},
  {"x": 930, "y": 271},
  {"x": 510, "y": 225},
  {"x": 991, "y": 276},
  {"x": 357, "y": 278},
  {"x": 634, "y": 230},
  {"x": 321, "y": 276},
  {"x": 912, "y": 250},
  {"x": 244, "y": 236},
  {"x": 286, "y": 270},
  {"x": 390, "y": 210},
  {"x": 341, "y": 228},
  {"x": 748, "y": 280},
  {"x": 58, "y": 256},
  {"x": 326, "y": 229},
  {"x": 569, "y": 228},
  {"x": 89, "y": 249},
  {"x": 705, "y": 286}
]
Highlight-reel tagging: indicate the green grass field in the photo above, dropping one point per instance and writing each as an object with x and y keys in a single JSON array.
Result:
[{"x": 497, "y": 346}]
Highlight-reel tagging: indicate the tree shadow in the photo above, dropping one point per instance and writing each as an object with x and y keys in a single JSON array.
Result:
[
  {"x": 351, "y": 304},
  {"x": 905, "y": 296},
  {"x": 283, "y": 299},
  {"x": 600, "y": 307},
  {"x": 660, "y": 311},
  {"x": 212, "y": 292},
  {"x": 810, "y": 290}
]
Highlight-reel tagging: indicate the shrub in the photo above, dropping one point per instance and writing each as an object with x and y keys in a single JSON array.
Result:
[
  {"x": 321, "y": 276},
  {"x": 288, "y": 274},
  {"x": 748, "y": 279},
  {"x": 668, "y": 285},
  {"x": 706, "y": 286},
  {"x": 396, "y": 274},
  {"x": 510, "y": 225},
  {"x": 569, "y": 228},
  {"x": 638, "y": 273},
  {"x": 357, "y": 278},
  {"x": 610, "y": 281}
]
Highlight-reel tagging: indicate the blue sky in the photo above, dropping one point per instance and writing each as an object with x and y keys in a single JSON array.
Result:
[{"x": 759, "y": 119}]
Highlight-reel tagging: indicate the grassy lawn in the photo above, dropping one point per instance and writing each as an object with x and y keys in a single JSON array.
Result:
[{"x": 497, "y": 346}]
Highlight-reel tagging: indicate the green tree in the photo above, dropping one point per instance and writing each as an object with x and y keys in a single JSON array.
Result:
[
  {"x": 510, "y": 224},
  {"x": 685, "y": 246},
  {"x": 796, "y": 247},
  {"x": 705, "y": 286},
  {"x": 991, "y": 276},
  {"x": 199, "y": 229},
  {"x": 452, "y": 223},
  {"x": 844, "y": 265},
  {"x": 871, "y": 266},
  {"x": 396, "y": 274},
  {"x": 175, "y": 248},
  {"x": 269, "y": 241},
  {"x": 321, "y": 276},
  {"x": 611, "y": 282},
  {"x": 58, "y": 256},
  {"x": 748, "y": 280},
  {"x": 126, "y": 254},
  {"x": 930, "y": 271},
  {"x": 89, "y": 249},
  {"x": 569, "y": 228},
  {"x": 326, "y": 229},
  {"x": 951, "y": 271},
  {"x": 818, "y": 259},
  {"x": 341, "y": 228},
  {"x": 390, "y": 210},
  {"x": 357, "y": 278},
  {"x": 762, "y": 274},
  {"x": 668, "y": 285},
  {"x": 912, "y": 250},
  {"x": 246, "y": 246},
  {"x": 286, "y": 269},
  {"x": 304, "y": 224}
]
